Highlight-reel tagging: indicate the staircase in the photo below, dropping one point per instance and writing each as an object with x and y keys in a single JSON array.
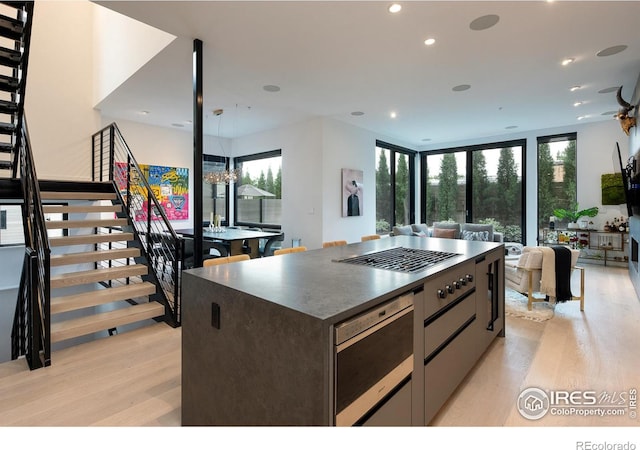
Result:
[
  {"x": 14, "y": 44},
  {"x": 99, "y": 277},
  {"x": 88, "y": 267}
]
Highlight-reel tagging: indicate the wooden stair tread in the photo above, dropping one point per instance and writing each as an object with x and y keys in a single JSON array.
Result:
[
  {"x": 61, "y": 209},
  {"x": 83, "y": 239},
  {"x": 54, "y": 195},
  {"x": 93, "y": 256},
  {"x": 97, "y": 275},
  {"x": 88, "y": 223},
  {"x": 100, "y": 297},
  {"x": 68, "y": 329}
]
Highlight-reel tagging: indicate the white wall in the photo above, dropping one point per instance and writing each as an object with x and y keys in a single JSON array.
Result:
[
  {"x": 122, "y": 45},
  {"x": 347, "y": 147},
  {"x": 59, "y": 99},
  {"x": 302, "y": 182}
]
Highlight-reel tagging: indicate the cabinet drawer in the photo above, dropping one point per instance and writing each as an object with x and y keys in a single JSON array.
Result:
[
  {"x": 438, "y": 331},
  {"x": 444, "y": 373}
]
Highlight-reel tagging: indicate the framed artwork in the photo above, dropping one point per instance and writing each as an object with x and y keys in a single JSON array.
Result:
[
  {"x": 612, "y": 189},
  {"x": 169, "y": 184},
  {"x": 352, "y": 192}
]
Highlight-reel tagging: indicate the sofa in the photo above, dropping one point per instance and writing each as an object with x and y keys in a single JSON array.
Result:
[{"x": 451, "y": 230}]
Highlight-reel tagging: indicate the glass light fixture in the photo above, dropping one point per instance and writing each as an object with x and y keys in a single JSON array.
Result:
[{"x": 223, "y": 176}]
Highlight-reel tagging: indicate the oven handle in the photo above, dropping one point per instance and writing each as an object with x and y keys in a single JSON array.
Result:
[{"x": 373, "y": 329}]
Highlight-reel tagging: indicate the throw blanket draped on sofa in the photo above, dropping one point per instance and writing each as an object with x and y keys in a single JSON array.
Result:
[
  {"x": 563, "y": 273},
  {"x": 556, "y": 273}
]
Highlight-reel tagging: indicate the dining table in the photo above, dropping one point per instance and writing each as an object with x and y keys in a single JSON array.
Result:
[{"x": 235, "y": 237}]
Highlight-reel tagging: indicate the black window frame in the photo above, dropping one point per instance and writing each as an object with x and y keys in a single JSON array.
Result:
[
  {"x": 237, "y": 161},
  {"x": 469, "y": 149},
  {"x": 546, "y": 140},
  {"x": 411, "y": 154}
]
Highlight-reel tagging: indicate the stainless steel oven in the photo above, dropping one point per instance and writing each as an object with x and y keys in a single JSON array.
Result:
[{"x": 373, "y": 365}]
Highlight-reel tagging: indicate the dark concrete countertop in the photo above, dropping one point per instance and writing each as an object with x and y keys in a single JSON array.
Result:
[{"x": 314, "y": 284}]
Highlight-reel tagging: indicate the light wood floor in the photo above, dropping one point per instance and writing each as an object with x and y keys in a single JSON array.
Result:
[{"x": 133, "y": 379}]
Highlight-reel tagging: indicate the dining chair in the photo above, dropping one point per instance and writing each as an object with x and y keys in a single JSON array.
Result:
[
  {"x": 370, "y": 237},
  {"x": 272, "y": 244},
  {"x": 283, "y": 251},
  {"x": 225, "y": 260},
  {"x": 333, "y": 244}
]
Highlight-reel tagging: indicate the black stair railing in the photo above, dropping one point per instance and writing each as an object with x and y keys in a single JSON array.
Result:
[
  {"x": 31, "y": 333},
  {"x": 113, "y": 161}
]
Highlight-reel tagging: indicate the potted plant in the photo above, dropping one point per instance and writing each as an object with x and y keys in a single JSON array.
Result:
[{"x": 573, "y": 215}]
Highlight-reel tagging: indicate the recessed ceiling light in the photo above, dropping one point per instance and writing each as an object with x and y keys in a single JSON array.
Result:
[
  {"x": 577, "y": 104},
  {"x": 429, "y": 41},
  {"x": 567, "y": 61},
  {"x": 609, "y": 113},
  {"x": 426, "y": 139},
  {"x": 511, "y": 127},
  {"x": 581, "y": 117},
  {"x": 484, "y": 22},
  {"x": 177, "y": 125},
  {"x": 394, "y": 8},
  {"x": 271, "y": 88},
  {"x": 357, "y": 113},
  {"x": 143, "y": 113},
  {"x": 575, "y": 88},
  {"x": 612, "y": 50},
  {"x": 461, "y": 87},
  {"x": 608, "y": 90},
  {"x": 393, "y": 114}
]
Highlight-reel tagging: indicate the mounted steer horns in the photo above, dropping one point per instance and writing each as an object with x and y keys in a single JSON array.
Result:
[{"x": 626, "y": 122}]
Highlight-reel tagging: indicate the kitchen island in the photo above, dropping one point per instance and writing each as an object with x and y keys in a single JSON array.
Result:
[{"x": 259, "y": 343}]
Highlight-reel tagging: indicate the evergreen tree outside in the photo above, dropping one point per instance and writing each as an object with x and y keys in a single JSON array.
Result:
[
  {"x": 277, "y": 184},
  {"x": 262, "y": 181},
  {"x": 569, "y": 188},
  {"x": 269, "y": 185},
  {"x": 246, "y": 178},
  {"x": 383, "y": 189},
  {"x": 430, "y": 200},
  {"x": 402, "y": 191},
  {"x": 508, "y": 194},
  {"x": 480, "y": 189},
  {"x": 547, "y": 201},
  {"x": 447, "y": 188}
]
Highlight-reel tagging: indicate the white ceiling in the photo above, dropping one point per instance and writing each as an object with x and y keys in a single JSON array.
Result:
[{"x": 332, "y": 58}]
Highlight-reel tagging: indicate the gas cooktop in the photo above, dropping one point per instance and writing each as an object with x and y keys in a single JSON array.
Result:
[{"x": 400, "y": 259}]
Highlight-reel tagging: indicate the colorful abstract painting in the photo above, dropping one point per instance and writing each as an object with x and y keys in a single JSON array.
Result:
[{"x": 170, "y": 185}]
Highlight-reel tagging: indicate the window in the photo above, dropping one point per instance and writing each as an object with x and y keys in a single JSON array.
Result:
[
  {"x": 556, "y": 176},
  {"x": 395, "y": 193},
  {"x": 11, "y": 230},
  {"x": 476, "y": 184},
  {"x": 258, "y": 192},
  {"x": 215, "y": 196}
]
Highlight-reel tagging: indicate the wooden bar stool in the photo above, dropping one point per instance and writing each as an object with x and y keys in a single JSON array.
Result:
[{"x": 333, "y": 244}]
